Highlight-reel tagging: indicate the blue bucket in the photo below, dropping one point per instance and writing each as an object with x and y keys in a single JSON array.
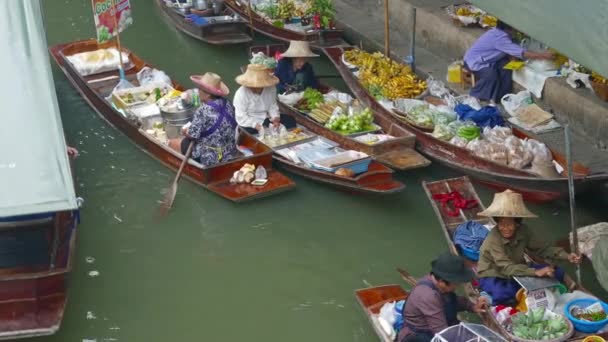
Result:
[{"x": 586, "y": 326}]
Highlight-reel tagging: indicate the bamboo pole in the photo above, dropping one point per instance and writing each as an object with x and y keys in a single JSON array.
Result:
[
  {"x": 121, "y": 71},
  {"x": 387, "y": 47},
  {"x": 574, "y": 246},
  {"x": 250, "y": 18}
]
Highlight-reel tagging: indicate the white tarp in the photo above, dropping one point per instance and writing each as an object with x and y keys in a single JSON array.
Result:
[{"x": 35, "y": 174}]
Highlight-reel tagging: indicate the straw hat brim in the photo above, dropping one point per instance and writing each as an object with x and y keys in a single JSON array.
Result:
[
  {"x": 508, "y": 204},
  {"x": 296, "y": 54},
  {"x": 222, "y": 90},
  {"x": 267, "y": 81}
]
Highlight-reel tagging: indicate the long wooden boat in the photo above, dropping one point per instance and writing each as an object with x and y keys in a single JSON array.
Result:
[
  {"x": 372, "y": 299},
  {"x": 216, "y": 178},
  {"x": 378, "y": 179},
  {"x": 260, "y": 24},
  {"x": 225, "y": 29},
  {"x": 33, "y": 281},
  {"x": 449, "y": 224},
  {"x": 492, "y": 174}
]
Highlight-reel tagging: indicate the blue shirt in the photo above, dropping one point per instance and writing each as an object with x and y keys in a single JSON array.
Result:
[
  {"x": 491, "y": 47},
  {"x": 299, "y": 79}
]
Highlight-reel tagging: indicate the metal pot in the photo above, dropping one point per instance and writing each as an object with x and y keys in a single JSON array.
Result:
[
  {"x": 218, "y": 5},
  {"x": 173, "y": 128},
  {"x": 184, "y": 8},
  {"x": 201, "y": 5},
  {"x": 178, "y": 114}
]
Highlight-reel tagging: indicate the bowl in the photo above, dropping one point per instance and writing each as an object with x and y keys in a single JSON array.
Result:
[
  {"x": 586, "y": 326},
  {"x": 593, "y": 338}
]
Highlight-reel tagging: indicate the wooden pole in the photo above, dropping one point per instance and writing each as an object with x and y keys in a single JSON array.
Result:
[
  {"x": 574, "y": 246},
  {"x": 387, "y": 47},
  {"x": 250, "y": 19},
  {"x": 121, "y": 71}
]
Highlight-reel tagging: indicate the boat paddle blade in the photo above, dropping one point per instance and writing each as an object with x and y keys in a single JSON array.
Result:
[{"x": 167, "y": 202}]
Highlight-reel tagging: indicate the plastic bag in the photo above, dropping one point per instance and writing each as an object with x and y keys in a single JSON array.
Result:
[
  {"x": 442, "y": 132},
  {"x": 468, "y": 100},
  {"x": 441, "y": 117},
  {"x": 497, "y": 153},
  {"x": 540, "y": 152},
  {"x": 460, "y": 142},
  {"x": 98, "y": 61},
  {"x": 388, "y": 312},
  {"x": 149, "y": 75},
  {"x": 291, "y": 99},
  {"x": 436, "y": 87},
  {"x": 496, "y": 134},
  {"x": 518, "y": 155},
  {"x": 406, "y": 105},
  {"x": 469, "y": 131},
  {"x": 122, "y": 85},
  {"x": 512, "y": 102},
  {"x": 260, "y": 172}
]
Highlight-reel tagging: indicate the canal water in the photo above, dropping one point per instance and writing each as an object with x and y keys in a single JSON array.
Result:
[{"x": 282, "y": 268}]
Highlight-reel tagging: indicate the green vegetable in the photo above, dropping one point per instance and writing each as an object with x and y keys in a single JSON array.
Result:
[
  {"x": 348, "y": 124},
  {"x": 312, "y": 98},
  {"x": 469, "y": 133},
  {"x": 533, "y": 326}
]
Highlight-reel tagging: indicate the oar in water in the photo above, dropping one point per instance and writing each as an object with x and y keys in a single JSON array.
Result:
[
  {"x": 407, "y": 277},
  {"x": 167, "y": 202}
]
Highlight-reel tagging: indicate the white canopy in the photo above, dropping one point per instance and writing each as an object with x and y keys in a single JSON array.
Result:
[{"x": 35, "y": 174}]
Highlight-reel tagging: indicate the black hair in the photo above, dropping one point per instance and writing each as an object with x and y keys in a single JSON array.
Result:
[{"x": 501, "y": 25}]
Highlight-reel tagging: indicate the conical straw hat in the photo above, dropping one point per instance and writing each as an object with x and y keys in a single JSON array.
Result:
[
  {"x": 210, "y": 83},
  {"x": 298, "y": 48},
  {"x": 257, "y": 76},
  {"x": 507, "y": 204}
]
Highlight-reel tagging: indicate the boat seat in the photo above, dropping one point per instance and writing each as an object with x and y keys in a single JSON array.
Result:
[{"x": 467, "y": 78}]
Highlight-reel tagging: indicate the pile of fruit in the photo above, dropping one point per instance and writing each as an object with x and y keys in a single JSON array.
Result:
[
  {"x": 355, "y": 123},
  {"x": 384, "y": 77},
  {"x": 533, "y": 326},
  {"x": 323, "y": 111},
  {"x": 598, "y": 78}
]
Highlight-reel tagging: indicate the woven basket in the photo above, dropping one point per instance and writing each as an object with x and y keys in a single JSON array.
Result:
[{"x": 600, "y": 89}]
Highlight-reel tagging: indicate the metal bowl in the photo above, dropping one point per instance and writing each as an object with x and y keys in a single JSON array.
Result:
[{"x": 184, "y": 9}]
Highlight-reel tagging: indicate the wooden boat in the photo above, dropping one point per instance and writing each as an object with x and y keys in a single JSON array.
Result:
[
  {"x": 260, "y": 24},
  {"x": 492, "y": 174},
  {"x": 96, "y": 88},
  {"x": 33, "y": 295},
  {"x": 221, "y": 30},
  {"x": 449, "y": 224},
  {"x": 377, "y": 180},
  {"x": 372, "y": 299}
]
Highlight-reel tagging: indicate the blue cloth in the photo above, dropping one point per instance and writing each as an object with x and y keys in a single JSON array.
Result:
[
  {"x": 487, "y": 116},
  {"x": 503, "y": 290},
  {"x": 470, "y": 235},
  {"x": 196, "y": 20},
  {"x": 493, "y": 82},
  {"x": 399, "y": 315},
  {"x": 299, "y": 79}
]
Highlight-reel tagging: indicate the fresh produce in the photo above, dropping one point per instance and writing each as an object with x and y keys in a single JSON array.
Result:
[
  {"x": 591, "y": 316},
  {"x": 286, "y": 9},
  {"x": 262, "y": 59},
  {"x": 348, "y": 124},
  {"x": 311, "y": 99},
  {"x": 384, "y": 77},
  {"x": 469, "y": 132},
  {"x": 489, "y": 20},
  {"x": 465, "y": 11},
  {"x": 598, "y": 78},
  {"x": 324, "y": 110},
  {"x": 533, "y": 326}
]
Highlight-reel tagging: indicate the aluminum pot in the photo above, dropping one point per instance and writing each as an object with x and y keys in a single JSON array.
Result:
[
  {"x": 184, "y": 8},
  {"x": 173, "y": 128},
  {"x": 200, "y": 5},
  {"x": 179, "y": 114}
]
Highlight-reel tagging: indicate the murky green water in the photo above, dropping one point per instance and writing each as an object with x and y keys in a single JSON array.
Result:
[{"x": 283, "y": 268}]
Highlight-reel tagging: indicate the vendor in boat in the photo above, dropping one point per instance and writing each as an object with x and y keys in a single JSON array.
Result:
[
  {"x": 213, "y": 127},
  {"x": 255, "y": 102},
  {"x": 432, "y": 305},
  {"x": 487, "y": 58},
  {"x": 502, "y": 252},
  {"x": 294, "y": 71}
]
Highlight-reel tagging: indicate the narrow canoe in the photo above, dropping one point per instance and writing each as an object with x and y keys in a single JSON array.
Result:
[
  {"x": 260, "y": 24},
  {"x": 221, "y": 30},
  {"x": 372, "y": 299},
  {"x": 489, "y": 173},
  {"x": 377, "y": 180},
  {"x": 96, "y": 88},
  {"x": 33, "y": 298},
  {"x": 449, "y": 224}
]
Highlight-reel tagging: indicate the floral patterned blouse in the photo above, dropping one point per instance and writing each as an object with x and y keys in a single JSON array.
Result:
[{"x": 214, "y": 145}]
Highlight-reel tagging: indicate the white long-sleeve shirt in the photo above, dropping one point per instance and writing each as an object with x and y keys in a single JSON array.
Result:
[{"x": 251, "y": 109}]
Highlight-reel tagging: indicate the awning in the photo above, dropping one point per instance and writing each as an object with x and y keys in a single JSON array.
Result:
[
  {"x": 574, "y": 28},
  {"x": 35, "y": 174}
]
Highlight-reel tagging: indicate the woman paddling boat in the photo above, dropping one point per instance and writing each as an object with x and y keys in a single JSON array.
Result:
[
  {"x": 213, "y": 128},
  {"x": 502, "y": 252}
]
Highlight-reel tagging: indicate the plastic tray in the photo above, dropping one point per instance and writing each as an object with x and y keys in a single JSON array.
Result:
[{"x": 358, "y": 162}]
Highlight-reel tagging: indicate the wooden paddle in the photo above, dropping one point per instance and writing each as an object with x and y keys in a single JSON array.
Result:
[{"x": 167, "y": 202}]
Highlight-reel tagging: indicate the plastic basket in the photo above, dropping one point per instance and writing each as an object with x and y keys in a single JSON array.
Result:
[{"x": 585, "y": 326}]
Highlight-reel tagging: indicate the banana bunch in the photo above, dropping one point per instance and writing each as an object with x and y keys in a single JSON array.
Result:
[
  {"x": 324, "y": 111},
  {"x": 463, "y": 11},
  {"x": 489, "y": 20},
  {"x": 286, "y": 9},
  {"x": 377, "y": 71},
  {"x": 598, "y": 78}
]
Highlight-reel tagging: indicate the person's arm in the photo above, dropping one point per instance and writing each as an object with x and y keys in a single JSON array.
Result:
[
  {"x": 241, "y": 104},
  {"x": 197, "y": 126},
  {"x": 432, "y": 310},
  {"x": 504, "y": 44},
  {"x": 540, "y": 248},
  {"x": 504, "y": 264},
  {"x": 538, "y": 55},
  {"x": 273, "y": 107}
]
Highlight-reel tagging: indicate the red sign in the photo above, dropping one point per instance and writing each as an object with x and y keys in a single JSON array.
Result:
[{"x": 108, "y": 14}]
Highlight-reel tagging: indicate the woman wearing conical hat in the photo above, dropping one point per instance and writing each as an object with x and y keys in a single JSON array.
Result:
[
  {"x": 502, "y": 253},
  {"x": 255, "y": 102},
  {"x": 294, "y": 71}
]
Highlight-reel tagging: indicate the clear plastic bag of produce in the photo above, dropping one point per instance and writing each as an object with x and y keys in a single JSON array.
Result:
[
  {"x": 406, "y": 105},
  {"x": 421, "y": 115},
  {"x": 460, "y": 142},
  {"x": 261, "y": 59},
  {"x": 468, "y": 100},
  {"x": 540, "y": 151},
  {"x": 468, "y": 130},
  {"x": 497, "y": 134},
  {"x": 488, "y": 150},
  {"x": 437, "y": 87},
  {"x": 149, "y": 75},
  {"x": 518, "y": 155},
  {"x": 442, "y": 132},
  {"x": 335, "y": 95},
  {"x": 292, "y": 98},
  {"x": 442, "y": 116}
]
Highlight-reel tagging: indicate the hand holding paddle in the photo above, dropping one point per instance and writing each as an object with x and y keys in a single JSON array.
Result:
[{"x": 167, "y": 202}]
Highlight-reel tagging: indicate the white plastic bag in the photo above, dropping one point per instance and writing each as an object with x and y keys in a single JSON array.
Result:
[
  {"x": 149, "y": 75},
  {"x": 518, "y": 155},
  {"x": 388, "y": 312},
  {"x": 436, "y": 87},
  {"x": 512, "y": 102},
  {"x": 540, "y": 151},
  {"x": 468, "y": 100},
  {"x": 291, "y": 99}
]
